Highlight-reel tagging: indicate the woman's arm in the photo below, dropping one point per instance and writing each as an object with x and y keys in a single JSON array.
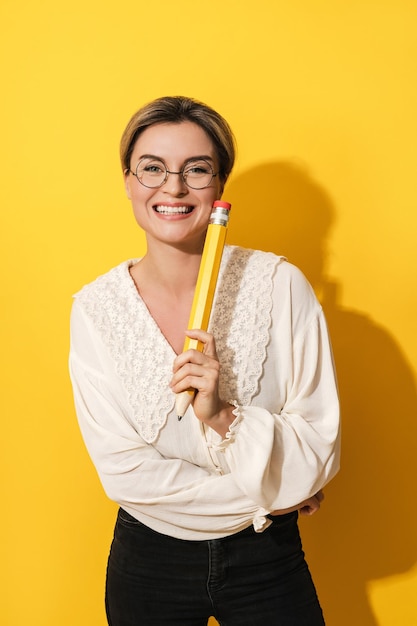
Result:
[
  {"x": 282, "y": 458},
  {"x": 171, "y": 495}
]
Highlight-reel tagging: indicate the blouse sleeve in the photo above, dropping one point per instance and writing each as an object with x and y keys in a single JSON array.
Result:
[
  {"x": 280, "y": 458},
  {"x": 163, "y": 493}
]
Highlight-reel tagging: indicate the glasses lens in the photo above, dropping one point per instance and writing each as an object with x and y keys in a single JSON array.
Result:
[
  {"x": 151, "y": 172},
  {"x": 198, "y": 174}
]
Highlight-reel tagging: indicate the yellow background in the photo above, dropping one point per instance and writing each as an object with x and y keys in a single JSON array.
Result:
[{"x": 322, "y": 97}]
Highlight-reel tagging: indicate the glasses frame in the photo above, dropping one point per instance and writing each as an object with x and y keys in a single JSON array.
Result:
[{"x": 180, "y": 173}]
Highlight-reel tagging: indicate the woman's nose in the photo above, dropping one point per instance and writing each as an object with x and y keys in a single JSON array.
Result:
[{"x": 175, "y": 184}]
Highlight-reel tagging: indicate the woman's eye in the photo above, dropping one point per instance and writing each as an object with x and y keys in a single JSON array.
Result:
[
  {"x": 197, "y": 169},
  {"x": 153, "y": 168}
]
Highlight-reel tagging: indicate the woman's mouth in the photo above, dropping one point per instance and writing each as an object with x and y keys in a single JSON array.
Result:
[{"x": 167, "y": 209}]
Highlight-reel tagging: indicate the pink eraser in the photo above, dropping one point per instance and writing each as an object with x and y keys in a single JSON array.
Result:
[{"x": 224, "y": 205}]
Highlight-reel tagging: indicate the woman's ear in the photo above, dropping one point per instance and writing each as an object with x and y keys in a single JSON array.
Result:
[{"x": 128, "y": 179}]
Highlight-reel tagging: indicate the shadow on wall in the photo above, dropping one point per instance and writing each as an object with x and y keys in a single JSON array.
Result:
[{"x": 365, "y": 529}]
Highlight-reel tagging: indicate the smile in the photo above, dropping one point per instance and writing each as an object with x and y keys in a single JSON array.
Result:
[{"x": 172, "y": 210}]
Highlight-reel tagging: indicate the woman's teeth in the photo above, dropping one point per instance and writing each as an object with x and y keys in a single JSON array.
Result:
[{"x": 172, "y": 210}]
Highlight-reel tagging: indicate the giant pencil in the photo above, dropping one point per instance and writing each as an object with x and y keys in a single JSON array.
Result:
[{"x": 205, "y": 287}]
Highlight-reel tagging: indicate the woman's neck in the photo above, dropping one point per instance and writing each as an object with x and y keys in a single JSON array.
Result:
[{"x": 171, "y": 269}]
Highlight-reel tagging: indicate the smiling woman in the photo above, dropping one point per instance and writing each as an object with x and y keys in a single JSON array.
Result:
[
  {"x": 158, "y": 184},
  {"x": 207, "y": 524}
]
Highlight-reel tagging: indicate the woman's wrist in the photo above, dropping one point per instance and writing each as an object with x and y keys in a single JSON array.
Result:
[{"x": 221, "y": 422}]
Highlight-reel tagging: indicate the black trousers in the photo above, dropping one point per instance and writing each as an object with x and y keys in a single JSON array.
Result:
[{"x": 246, "y": 579}]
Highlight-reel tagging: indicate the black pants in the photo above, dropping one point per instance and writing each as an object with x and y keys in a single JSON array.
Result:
[{"x": 247, "y": 579}]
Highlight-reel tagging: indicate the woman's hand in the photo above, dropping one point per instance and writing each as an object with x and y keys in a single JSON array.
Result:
[
  {"x": 201, "y": 370},
  {"x": 307, "y": 507},
  {"x": 312, "y": 505}
]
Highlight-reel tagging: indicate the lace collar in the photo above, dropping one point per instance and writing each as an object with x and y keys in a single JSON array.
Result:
[{"x": 240, "y": 321}]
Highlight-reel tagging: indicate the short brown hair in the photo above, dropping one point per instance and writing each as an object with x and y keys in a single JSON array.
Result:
[{"x": 176, "y": 109}]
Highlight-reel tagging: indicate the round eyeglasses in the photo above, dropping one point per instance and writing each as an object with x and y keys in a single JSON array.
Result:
[{"x": 154, "y": 173}]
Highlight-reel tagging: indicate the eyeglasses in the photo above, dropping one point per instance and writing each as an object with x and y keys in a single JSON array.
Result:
[{"x": 153, "y": 173}]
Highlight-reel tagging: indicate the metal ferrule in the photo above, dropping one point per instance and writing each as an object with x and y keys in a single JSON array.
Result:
[{"x": 219, "y": 216}]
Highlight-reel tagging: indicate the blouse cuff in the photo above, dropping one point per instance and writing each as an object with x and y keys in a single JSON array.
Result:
[{"x": 233, "y": 429}]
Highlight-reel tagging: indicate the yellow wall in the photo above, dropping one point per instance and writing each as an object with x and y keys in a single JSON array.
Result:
[{"x": 322, "y": 97}]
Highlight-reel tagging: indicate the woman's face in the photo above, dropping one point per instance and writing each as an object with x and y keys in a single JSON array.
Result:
[{"x": 173, "y": 213}]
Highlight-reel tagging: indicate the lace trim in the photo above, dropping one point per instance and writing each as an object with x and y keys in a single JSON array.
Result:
[
  {"x": 242, "y": 309},
  {"x": 142, "y": 356}
]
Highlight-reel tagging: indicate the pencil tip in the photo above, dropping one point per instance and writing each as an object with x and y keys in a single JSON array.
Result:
[{"x": 179, "y": 417}]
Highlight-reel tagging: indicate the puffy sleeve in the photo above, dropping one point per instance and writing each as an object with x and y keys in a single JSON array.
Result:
[
  {"x": 172, "y": 495},
  {"x": 285, "y": 445}
]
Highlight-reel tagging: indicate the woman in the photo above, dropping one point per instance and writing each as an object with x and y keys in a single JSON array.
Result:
[{"x": 207, "y": 523}]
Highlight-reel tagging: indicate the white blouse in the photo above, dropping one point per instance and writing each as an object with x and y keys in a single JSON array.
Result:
[{"x": 181, "y": 478}]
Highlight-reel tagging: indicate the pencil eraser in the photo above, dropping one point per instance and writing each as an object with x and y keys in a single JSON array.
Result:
[{"x": 224, "y": 205}]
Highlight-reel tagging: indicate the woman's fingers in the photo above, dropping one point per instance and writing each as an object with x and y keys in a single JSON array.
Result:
[
  {"x": 196, "y": 369},
  {"x": 206, "y": 358},
  {"x": 200, "y": 371},
  {"x": 201, "y": 375},
  {"x": 312, "y": 505},
  {"x": 207, "y": 339},
  {"x": 307, "y": 507}
]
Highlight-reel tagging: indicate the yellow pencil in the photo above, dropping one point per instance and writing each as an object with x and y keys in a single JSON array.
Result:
[{"x": 205, "y": 287}]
